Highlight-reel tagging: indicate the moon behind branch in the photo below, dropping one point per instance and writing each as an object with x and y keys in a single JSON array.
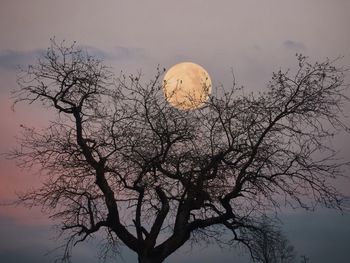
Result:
[{"x": 187, "y": 86}]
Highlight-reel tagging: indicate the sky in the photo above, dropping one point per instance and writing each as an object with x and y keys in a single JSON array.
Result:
[{"x": 252, "y": 37}]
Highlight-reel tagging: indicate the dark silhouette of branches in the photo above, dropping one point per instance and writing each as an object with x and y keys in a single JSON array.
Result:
[
  {"x": 304, "y": 259},
  {"x": 118, "y": 158},
  {"x": 267, "y": 243}
]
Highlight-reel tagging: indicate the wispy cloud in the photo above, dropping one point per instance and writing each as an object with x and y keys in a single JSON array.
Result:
[
  {"x": 118, "y": 53},
  {"x": 12, "y": 59},
  {"x": 294, "y": 45}
]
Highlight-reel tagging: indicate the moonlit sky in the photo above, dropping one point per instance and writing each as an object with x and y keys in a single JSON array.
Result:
[{"x": 253, "y": 38}]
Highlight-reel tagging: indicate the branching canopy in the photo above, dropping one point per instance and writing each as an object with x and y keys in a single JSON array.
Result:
[{"x": 118, "y": 157}]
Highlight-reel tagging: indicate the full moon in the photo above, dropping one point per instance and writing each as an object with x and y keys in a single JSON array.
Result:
[{"x": 187, "y": 86}]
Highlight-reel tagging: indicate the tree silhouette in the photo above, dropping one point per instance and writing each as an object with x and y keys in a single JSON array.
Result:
[
  {"x": 118, "y": 158},
  {"x": 268, "y": 245},
  {"x": 304, "y": 259}
]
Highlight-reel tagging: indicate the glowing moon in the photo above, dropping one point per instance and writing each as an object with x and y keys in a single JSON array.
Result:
[{"x": 187, "y": 86}]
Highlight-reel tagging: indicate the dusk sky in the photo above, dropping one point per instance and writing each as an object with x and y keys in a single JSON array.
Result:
[{"x": 252, "y": 37}]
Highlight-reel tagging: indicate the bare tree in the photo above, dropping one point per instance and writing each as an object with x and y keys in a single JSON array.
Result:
[
  {"x": 267, "y": 243},
  {"x": 118, "y": 158},
  {"x": 304, "y": 259}
]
